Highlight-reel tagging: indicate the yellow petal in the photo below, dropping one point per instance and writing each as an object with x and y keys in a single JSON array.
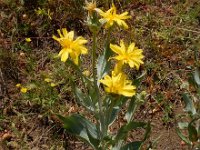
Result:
[
  {"x": 128, "y": 93},
  {"x": 71, "y": 35},
  {"x": 65, "y": 33},
  {"x": 18, "y": 85},
  {"x": 131, "y": 47},
  {"x": 60, "y": 33},
  {"x": 75, "y": 57},
  {"x": 116, "y": 49},
  {"x": 64, "y": 56}
]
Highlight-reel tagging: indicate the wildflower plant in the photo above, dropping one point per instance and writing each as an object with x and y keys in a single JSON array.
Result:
[
  {"x": 107, "y": 90},
  {"x": 192, "y": 108}
]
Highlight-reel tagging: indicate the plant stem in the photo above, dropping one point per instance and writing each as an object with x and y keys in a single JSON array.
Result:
[
  {"x": 94, "y": 59},
  {"x": 101, "y": 120}
]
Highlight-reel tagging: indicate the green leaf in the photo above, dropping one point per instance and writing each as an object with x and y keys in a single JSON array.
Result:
[
  {"x": 103, "y": 65},
  {"x": 189, "y": 105},
  {"x": 196, "y": 77},
  {"x": 115, "y": 107},
  {"x": 132, "y": 146},
  {"x": 183, "y": 125},
  {"x": 93, "y": 96},
  {"x": 79, "y": 126},
  {"x": 123, "y": 131},
  {"x": 139, "y": 79},
  {"x": 131, "y": 109},
  {"x": 185, "y": 139},
  {"x": 148, "y": 131},
  {"x": 83, "y": 99},
  {"x": 193, "y": 135},
  {"x": 95, "y": 142}
]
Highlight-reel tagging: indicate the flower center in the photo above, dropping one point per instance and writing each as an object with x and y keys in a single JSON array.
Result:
[{"x": 66, "y": 43}]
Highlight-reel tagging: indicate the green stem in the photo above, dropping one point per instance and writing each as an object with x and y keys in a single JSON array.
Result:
[
  {"x": 94, "y": 59},
  {"x": 102, "y": 125},
  {"x": 94, "y": 47}
]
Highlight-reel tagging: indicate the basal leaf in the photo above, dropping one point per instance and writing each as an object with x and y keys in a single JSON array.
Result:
[
  {"x": 132, "y": 146},
  {"x": 193, "y": 135},
  {"x": 185, "y": 139},
  {"x": 79, "y": 126},
  {"x": 123, "y": 131}
]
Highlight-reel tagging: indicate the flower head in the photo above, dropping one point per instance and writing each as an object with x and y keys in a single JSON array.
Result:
[
  {"x": 23, "y": 90},
  {"x": 52, "y": 84},
  {"x": 118, "y": 84},
  {"x": 28, "y": 39},
  {"x": 131, "y": 55},
  {"x": 86, "y": 73},
  {"x": 18, "y": 85},
  {"x": 70, "y": 46},
  {"x": 47, "y": 80},
  {"x": 111, "y": 16},
  {"x": 90, "y": 6}
]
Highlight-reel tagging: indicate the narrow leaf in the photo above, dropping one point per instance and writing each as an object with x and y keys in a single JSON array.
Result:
[
  {"x": 83, "y": 99},
  {"x": 103, "y": 65},
  {"x": 189, "y": 106},
  {"x": 123, "y": 131},
  {"x": 132, "y": 146},
  {"x": 79, "y": 126},
  {"x": 131, "y": 109},
  {"x": 95, "y": 142},
  {"x": 148, "y": 131},
  {"x": 196, "y": 77},
  {"x": 185, "y": 139},
  {"x": 182, "y": 125},
  {"x": 116, "y": 106},
  {"x": 193, "y": 135}
]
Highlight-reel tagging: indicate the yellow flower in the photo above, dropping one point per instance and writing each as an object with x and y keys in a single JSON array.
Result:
[
  {"x": 86, "y": 73},
  {"x": 70, "y": 46},
  {"x": 52, "y": 84},
  {"x": 18, "y": 85},
  {"x": 47, "y": 80},
  {"x": 28, "y": 39},
  {"x": 111, "y": 16},
  {"x": 118, "y": 84},
  {"x": 90, "y": 6},
  {"x": 132, "y": 56},
  {"x": 24, "y": 90}
]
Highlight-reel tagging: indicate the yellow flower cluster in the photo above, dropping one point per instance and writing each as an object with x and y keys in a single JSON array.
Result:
[{"x": 118, "y": 83}]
